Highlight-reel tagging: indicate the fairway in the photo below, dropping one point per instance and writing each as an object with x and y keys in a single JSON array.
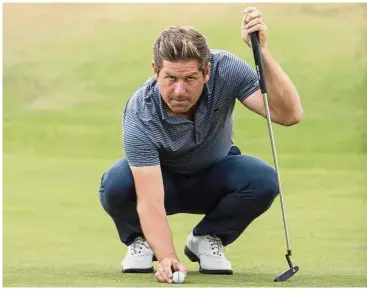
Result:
[{"x": 68, "y": 70}]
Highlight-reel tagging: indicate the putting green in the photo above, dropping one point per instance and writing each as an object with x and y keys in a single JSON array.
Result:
[{"x": 68, "y": 71}]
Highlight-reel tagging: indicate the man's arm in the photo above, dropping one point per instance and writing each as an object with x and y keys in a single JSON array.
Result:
[
  {"x": 143, "y": 158},
  {"x": 150, "y": 206},
  {"x": 284, "y": 102}
]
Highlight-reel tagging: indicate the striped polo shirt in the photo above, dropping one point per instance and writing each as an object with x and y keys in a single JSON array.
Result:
[{"x": 181, "y": 146}]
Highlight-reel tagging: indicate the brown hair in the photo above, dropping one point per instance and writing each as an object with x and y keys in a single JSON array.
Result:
[{"x": 181, "y": 43}]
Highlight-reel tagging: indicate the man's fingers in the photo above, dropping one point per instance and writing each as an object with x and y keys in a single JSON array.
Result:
[
  {"x": 249, "y": 9},
  {"x": 163, "y": 273},
  {"x": 253, "y": 22},
  {"x": 162, "y": 277},
  {"x": 166, "y": 268},
  {"x": 159, "y": 277},
  {"x": 246, "y": 37},
  {"x": 257, "y": 27},
  {"x": 180, "y": 267},
  {"x": 168, "y": 274},
  {"x": 252, "y": 15}
]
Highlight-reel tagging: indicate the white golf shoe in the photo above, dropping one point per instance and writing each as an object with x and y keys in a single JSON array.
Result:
[
  {"x": 139, "y": 257},
  {"x": 208, "y": 251}
]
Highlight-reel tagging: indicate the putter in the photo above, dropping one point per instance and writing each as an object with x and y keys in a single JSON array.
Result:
[{"x": 261, "y": 76}]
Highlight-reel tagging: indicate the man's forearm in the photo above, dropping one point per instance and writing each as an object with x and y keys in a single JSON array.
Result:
[
  {"x": 284, "y": 101},
  {"x": 150, "y": 207},
  {"x": 154, "y": 223}
]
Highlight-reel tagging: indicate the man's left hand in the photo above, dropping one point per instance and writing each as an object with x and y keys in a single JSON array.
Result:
[{"x": 252, "y": 22}]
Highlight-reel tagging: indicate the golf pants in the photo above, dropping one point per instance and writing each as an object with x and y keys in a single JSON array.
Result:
[{"x": 230, "y": 194}]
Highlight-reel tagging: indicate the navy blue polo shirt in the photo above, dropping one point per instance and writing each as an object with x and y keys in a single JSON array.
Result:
[{"x": 151, "y": 137}]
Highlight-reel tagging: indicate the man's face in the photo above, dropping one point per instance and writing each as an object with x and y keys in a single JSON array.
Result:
[{"x": 181, "y": 84}]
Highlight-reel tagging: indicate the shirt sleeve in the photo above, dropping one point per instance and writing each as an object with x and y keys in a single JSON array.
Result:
[
  {"x": 240, "y": 77},
  {"x": 139, "y": 148}
]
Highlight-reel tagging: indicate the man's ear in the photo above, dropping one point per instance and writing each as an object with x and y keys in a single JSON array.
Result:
[
  {"x": 155, "y": 70},
  {"x": 207, "y": 72}
]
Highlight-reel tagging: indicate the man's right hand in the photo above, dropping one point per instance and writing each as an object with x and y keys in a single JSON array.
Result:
[{"x": 166, "y": 269}]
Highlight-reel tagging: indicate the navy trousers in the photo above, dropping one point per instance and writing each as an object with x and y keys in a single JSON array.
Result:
[{"x": 231, "y": 194}]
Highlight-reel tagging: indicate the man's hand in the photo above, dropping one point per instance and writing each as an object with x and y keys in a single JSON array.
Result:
[
  {"x": 252, "y": 22},
  {"x": 166, "y": 269}
]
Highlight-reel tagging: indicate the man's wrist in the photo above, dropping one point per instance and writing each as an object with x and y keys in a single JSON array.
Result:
[
  {"x": 266, "y": 55},
  {"x": 264, "y": 51}
]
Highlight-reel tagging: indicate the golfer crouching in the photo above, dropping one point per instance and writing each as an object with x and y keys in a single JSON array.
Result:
[{"x": 180, "y": 158}]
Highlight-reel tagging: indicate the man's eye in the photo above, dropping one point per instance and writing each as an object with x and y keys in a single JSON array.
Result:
[
  {"x": 170, "y": 78},
  {"x": 191, "y": 78}
]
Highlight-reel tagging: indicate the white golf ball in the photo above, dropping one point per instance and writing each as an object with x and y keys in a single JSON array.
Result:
[{"x": 178, "y": 277}]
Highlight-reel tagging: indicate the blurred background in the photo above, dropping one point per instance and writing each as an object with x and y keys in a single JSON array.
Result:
[{"x": 68, "y": 70}]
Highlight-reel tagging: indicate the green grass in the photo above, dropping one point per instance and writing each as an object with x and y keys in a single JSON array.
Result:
[{"x": 68, "y": 71}]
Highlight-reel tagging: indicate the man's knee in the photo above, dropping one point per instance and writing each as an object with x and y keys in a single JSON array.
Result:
[
  {"x": 260, "y": 190},
  {"x": 261, "y": 180},
  {"x": 117, "y": 186},
  {"x": 267, "y": 183}
]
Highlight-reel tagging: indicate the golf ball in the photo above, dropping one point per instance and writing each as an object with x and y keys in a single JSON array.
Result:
[{"x": 178, "y": 277}]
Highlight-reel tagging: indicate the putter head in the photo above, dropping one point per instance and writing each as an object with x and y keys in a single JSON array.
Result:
[{"x": 287, "y": 274}]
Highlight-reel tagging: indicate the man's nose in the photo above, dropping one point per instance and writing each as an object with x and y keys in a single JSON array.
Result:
[{"x": 180, "y": 88}]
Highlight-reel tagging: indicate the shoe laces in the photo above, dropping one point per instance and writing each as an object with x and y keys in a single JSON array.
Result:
[
  {"x": 216, "y": 245},
  {"x": 137, "y": 246}
]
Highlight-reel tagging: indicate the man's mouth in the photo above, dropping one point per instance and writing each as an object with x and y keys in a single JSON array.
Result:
[{"x": 180, "y": 101}]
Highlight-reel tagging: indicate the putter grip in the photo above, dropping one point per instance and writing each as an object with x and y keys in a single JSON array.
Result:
[{"x": 258, "y": 60}]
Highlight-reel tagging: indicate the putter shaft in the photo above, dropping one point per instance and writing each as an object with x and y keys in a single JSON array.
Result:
[{"x": 268, "y": 117}]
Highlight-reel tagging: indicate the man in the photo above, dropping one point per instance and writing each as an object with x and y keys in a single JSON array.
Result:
[{"x": 180, "y": 157}]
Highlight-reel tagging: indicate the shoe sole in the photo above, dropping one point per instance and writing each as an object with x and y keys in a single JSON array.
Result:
[
  {"x": 146, "y": 270},
  {"x": 194, "y": 258}
]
